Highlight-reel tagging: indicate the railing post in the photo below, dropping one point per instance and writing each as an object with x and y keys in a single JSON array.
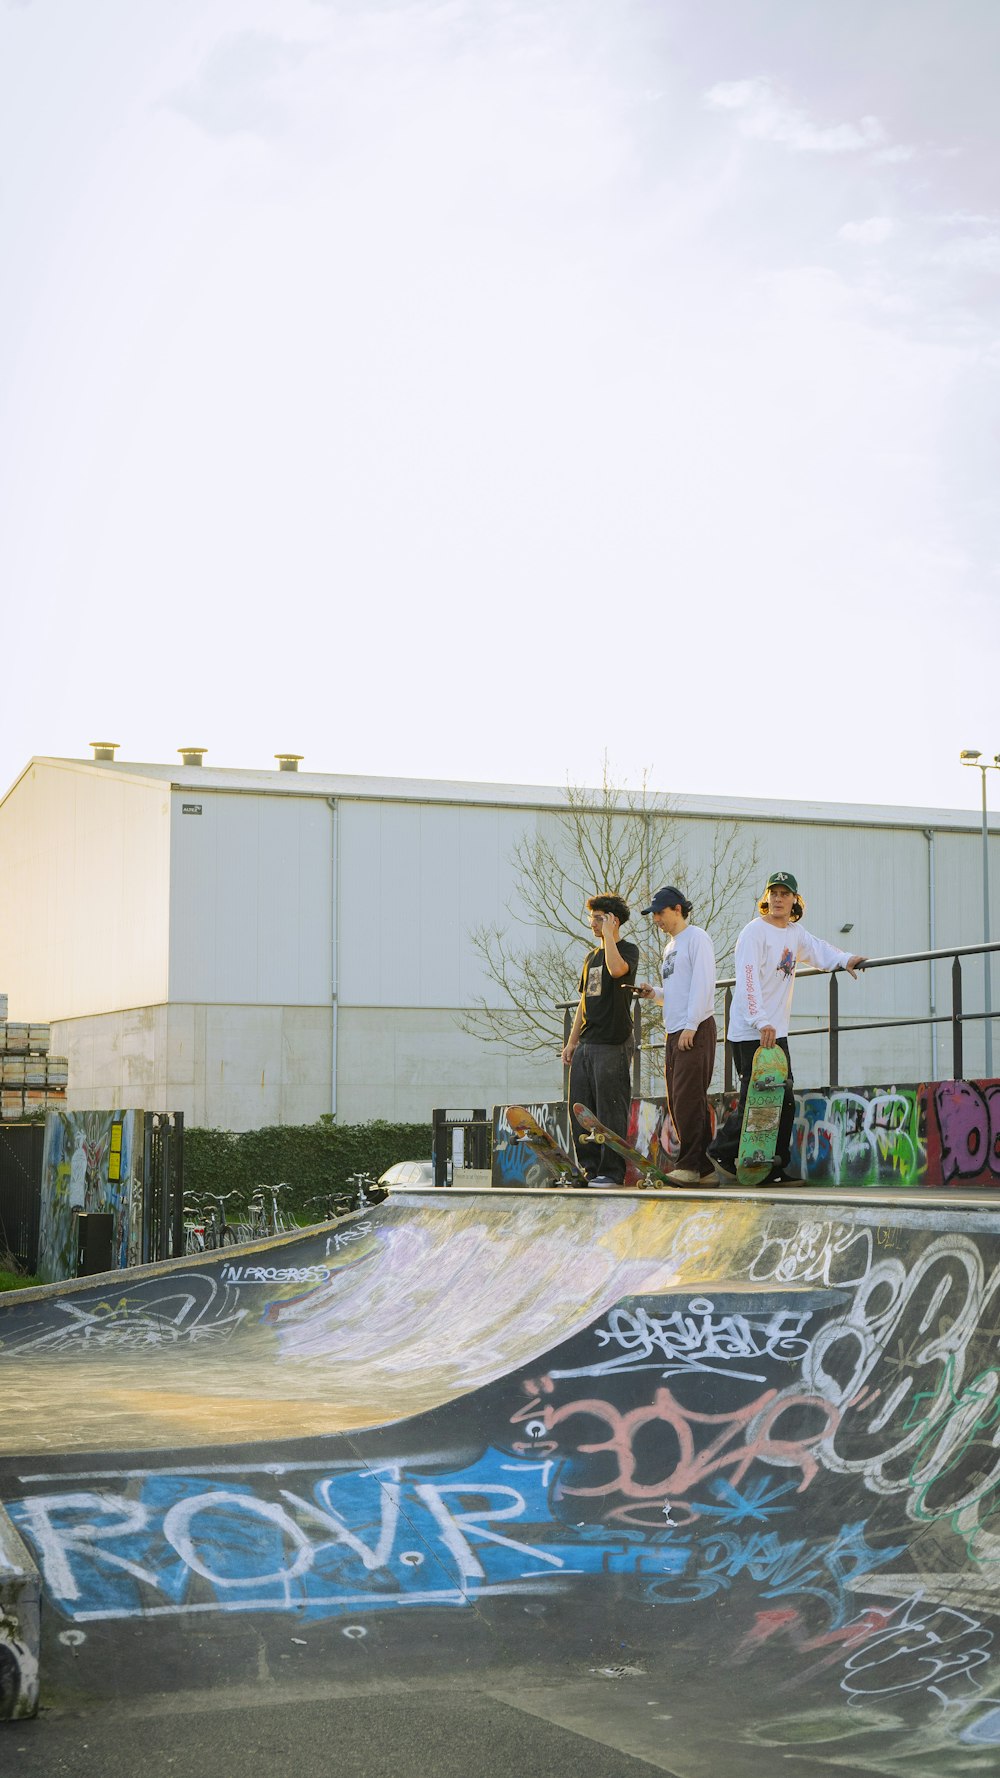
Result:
[
  {"x": 438, "y": 1146},
  {"x": 834, "y": 1031},
  {"x": 727, "y": 1048},
  {"x": 567, "y": 1028},
  {"x": 166, "y": 1163},
  {"x": 146, "y": 1253},
  {"x": 177, "y": 1184},
  {"x": 956, "y": 1019},
  {"x": 637, "y": 1050}
]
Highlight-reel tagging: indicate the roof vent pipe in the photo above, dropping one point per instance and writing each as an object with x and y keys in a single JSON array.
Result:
[
  {"x": 105, "y": 750},
  {"x": 192, "y": 756},
  {"x": 288, "y": 762}
]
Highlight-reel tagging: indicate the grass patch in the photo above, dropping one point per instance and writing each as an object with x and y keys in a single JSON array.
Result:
[
  {"x": 11, "y": 1275},
  {"x": 16, "y": 1281}
]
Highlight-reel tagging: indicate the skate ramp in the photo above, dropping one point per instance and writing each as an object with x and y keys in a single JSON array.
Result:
[{"x": 713, "y": 1482}]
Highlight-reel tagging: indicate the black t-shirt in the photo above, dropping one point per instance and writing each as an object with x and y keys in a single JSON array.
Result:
[{"x": 607, "y": 999}]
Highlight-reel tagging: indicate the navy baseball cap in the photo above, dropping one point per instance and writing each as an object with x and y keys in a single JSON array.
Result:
[{"x": 665, "y": 898}]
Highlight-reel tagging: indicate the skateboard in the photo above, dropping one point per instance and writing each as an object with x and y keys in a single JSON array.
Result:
[
  {"x": 759, "y": 1135},
  {"x": 648, "y": 1173},
  {"x": 538, "y": 1142}
]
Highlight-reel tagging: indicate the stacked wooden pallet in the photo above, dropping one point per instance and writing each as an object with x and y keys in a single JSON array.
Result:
[{"x": 30, "y": 1079}]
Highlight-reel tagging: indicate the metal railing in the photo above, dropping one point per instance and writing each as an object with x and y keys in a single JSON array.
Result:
[
  {"x": 834, "y": 1029},
  {"x": 957, "y": 1018}
]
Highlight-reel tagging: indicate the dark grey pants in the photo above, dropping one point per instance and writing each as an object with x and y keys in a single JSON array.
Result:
[{"x": 600, "y": 1077}]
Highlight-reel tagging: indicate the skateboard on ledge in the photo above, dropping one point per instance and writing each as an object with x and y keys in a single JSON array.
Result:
[
  {"x": 528, "y": 1130},
  {"x": 648, "y": 1173},
  {"x": 759, "y": 1135}
]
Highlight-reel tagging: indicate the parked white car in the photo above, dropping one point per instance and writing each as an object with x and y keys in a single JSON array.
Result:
[{"x": 409, "y": 1173}]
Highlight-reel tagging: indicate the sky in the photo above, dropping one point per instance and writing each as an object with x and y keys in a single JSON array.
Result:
[{"x": 479, "y": 388}]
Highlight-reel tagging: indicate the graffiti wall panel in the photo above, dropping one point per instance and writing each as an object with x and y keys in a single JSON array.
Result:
[
  {"x": 932, "y": 1134},
  {"x": 91, "y": 1162}
]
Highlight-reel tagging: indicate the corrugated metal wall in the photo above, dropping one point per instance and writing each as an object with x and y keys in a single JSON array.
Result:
[
  {"x": 251, "y": 904},
  {"x": 255, "y": 926}
]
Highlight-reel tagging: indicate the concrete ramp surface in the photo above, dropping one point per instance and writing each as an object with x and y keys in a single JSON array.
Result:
[{"x": 708, "y": 1484}]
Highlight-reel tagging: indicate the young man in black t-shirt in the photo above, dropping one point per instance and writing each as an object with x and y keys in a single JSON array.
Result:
[{"x": 598, "y": 1051}]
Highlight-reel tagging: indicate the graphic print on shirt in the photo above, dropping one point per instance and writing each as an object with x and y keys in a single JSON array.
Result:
[
  {"x": 787, "y": 965},
  {"x": 595, "y": 977},
  {"x": 668, "y": 965}
]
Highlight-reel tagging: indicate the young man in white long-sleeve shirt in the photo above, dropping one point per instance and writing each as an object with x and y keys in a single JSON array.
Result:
[
  {"x": 687, "y": 995},
  {"x": 767, "y": 953}
]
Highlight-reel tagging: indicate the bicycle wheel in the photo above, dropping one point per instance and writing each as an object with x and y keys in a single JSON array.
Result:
[{"x": 230, "y": 1238}]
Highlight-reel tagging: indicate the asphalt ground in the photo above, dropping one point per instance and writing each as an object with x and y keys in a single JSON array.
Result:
[{"x": 373, "y": 1736}]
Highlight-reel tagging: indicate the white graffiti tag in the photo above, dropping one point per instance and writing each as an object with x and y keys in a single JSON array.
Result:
[{"x": 696, "y": 1340}]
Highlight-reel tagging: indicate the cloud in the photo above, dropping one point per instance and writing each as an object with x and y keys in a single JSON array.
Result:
[
  {"x": 870, "y": 233},
  {"x": 764, "y": 113},
  {"x": 971, "y": 252},
  {"x": 237, "y": 90}
]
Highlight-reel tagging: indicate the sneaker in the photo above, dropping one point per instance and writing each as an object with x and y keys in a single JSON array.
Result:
[
  {"x": 685, "y": 1176},
  {"x": 778, "y": 1176},
  {"x": 708, "y": 1179},
  {"x": 604, "y": 1180}
]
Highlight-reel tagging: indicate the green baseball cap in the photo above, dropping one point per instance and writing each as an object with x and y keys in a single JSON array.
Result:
[{"x": 781, "y": 879}]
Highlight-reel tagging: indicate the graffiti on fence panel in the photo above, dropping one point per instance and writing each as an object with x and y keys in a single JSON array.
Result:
[
  {"x": 868, "y": 1137},
  {"x": 968, "y": 1116},
  {"x": 513, "y": 1162},
  {"x": 939, "y": 1133},
  {"x": 944, "y": 1132}
]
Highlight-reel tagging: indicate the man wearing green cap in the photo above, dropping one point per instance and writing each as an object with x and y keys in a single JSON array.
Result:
[{"x": 767, "y": 954}]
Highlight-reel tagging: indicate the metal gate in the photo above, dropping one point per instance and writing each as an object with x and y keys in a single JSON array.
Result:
[
  {"x": 21, "y": 1148},
  {"x": 162, "y": 1186}
]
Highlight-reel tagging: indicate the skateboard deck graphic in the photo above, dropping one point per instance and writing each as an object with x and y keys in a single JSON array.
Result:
[
  {"x": 759, "y": 1136},
  {"x": 538, "y": 1142},
  {"x": 647, "y": 1171}
]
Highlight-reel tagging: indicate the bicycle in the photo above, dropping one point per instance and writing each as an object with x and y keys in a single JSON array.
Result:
[
  {"x": 263, "y": 1219},
  {"x": 218, "y": 1230},
  {"x": 368, "y": 1188},
  {"x": 333, "y": 1204},
  {"x": 194, "y": 1227}
]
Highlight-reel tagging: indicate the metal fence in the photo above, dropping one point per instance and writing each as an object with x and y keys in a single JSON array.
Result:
[{"x": 835, "y": 1029}]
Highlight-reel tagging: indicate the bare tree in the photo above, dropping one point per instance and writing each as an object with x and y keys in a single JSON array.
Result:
[{"x": 615, "y": 839}]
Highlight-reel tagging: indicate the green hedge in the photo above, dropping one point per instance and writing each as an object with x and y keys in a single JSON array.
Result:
[{"x": 309, "y": 1157}]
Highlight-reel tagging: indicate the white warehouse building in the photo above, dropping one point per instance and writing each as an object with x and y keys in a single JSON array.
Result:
[{"x": 258, "y": 947}]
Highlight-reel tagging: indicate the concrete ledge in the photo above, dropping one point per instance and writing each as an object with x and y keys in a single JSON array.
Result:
[{"x": 20, "y": 1623}]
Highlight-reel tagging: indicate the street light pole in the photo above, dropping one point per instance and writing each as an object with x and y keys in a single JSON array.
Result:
[{"x": 971, "y": 756}]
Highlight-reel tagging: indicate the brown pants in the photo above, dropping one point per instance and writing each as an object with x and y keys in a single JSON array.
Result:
[{"x": 689, "y": 1076}]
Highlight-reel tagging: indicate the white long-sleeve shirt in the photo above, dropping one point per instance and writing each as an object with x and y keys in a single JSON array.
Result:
[
  {"x": 766, "y": 960},
  {"x": 688, "y": 973}
]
